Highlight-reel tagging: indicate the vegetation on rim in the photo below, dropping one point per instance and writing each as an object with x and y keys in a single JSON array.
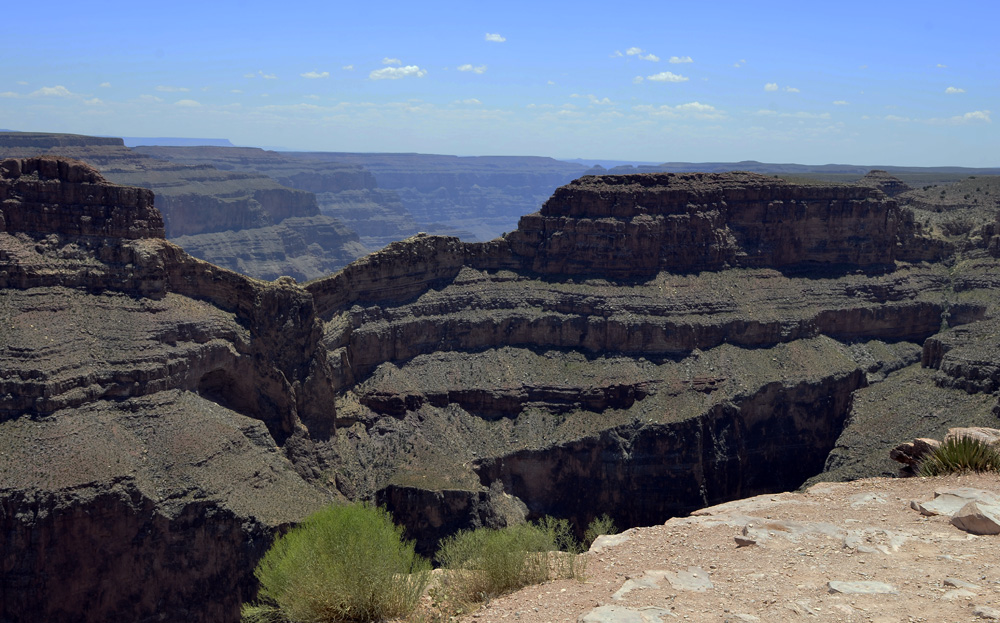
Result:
[
  {"x": 961, "y": 454},
  {"x": 343, "y": 563}
]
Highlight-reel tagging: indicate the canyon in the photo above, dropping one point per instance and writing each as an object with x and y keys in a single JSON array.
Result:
[{"x": 643, "y": 345}]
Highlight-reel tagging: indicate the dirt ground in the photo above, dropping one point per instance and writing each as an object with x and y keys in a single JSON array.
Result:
[{"x": 864, "y": 534}]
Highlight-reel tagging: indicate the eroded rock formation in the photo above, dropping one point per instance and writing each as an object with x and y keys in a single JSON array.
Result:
[
  {"x": 141, "y": 394},
  {"x": 643, "y": 346}
]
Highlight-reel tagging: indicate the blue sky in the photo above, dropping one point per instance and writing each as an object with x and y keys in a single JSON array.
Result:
[{"x": 892, "y": 83}]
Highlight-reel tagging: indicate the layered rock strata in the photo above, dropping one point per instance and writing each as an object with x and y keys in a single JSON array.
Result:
[
  {"x": 460, "y": 384},
  {"x": 142, "y": 392},
  {"x": 232, "y": 218}
]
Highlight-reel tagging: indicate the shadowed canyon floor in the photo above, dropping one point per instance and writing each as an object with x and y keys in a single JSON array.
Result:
[{"x": 642, "y": 346}]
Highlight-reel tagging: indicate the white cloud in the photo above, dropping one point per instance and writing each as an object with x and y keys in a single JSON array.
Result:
[
  {"x": 149, "y": 98},
  {"x": 249, "y": 75},
  {"x": 696, "y": 106},
  {"x": 56, "y": 91},
  {"x": 740, "y": 63},
  {"x": 941, "y": 66},
  {"x": 841, "y": 103},
  {"x": 10, "y": 94},
  {"x": 495, "y": 38},
  {"x": 170, "y": 89},
  {"x": 637, "y": 79},
  {"x": 187, "y": 104},
  {"x": 633, "y": 51},
  {"x": 267, "y": 76},
  {"x": 976, "y": 115},
  {"x": 593, "y": 99},
  {"x": 394, "y": 73},
  {"x": 235, "y": 90},
  {"x": 666, "y": 76},
  {"x": 617, "y": 54},
  {"x": 471, "y": 102},
  {"x": 104, "y": 85},
  {"x": 681, "y": 59},
  {"x": 650, "y": 57},
  {"x": 954, "y": 90},
  {"x": 312, "y": 97},
  {"x": 348, "y": 67},
  {"x": 313, "y": 75},
  {"x": 695, "y": 110},
  {"x": 93, "y": 102},
  {"x": 391, "y": 61},
  {"x": 793, "y": 115},
  {"x": 551, "y": 83},
  {"x": 771, "y": 86},
  {"x": 791, "y": 90},
  {"x": 478, "y": 69},
  {"x": 22, "y": 83}
]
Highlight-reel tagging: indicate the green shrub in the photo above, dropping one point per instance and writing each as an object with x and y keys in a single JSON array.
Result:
[
  {"x": 343, "y": 563},
  {"x": 484, "y": 563},
  {"x": 599, "y": 526},
  {"x": 961, "y": 454}
]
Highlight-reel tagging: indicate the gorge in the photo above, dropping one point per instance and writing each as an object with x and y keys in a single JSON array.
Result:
[{"x": 642, "y": 346}]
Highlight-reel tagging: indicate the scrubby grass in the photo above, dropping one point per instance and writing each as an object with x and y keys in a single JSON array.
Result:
[
  {"x": 599, "y": 526},
  {"x": 961, "y": 454},
  {"x": 343, "y": 563},
  {"x": 484, "y": 563}
]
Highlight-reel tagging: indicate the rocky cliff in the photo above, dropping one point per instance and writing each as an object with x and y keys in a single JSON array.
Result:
[
  {"x": 235, "y": 219},
  {"x": 142, "y": 392},
  {"x": 768, "y": 331}
]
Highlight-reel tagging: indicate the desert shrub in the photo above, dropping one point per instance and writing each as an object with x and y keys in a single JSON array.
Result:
[
  {"x": 600, "y": 525},
  {"x": 343, "y": 563},
  {"x": 487, "y": 562},
  {"x": 961, "y": 454}
]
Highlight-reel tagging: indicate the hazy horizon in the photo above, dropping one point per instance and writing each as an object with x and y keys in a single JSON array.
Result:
[{"x": 863, "y": 83}]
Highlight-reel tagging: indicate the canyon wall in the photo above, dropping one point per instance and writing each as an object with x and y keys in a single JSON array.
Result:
[
  {"x": 232, "y": 218},
  {"x": 142, "y": 395},
  {"x": 642, "y": 346}
]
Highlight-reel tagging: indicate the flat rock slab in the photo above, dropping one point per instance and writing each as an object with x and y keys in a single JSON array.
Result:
[
  {"x": 862, "y": 588},
  {"x": 950, "y": 501},
  {"x": 692, "y": 579},
  {"x": 650, "y": 579},
  {"x": 619, "y": 614},
  {"x": 985, "y": 612},
  {"x": 605, "y": 541}
]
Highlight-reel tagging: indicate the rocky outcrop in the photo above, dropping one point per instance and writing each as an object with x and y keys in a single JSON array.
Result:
[
  {"x": 887, "y": 183},
  {"x": 627, "y": 226},
  {"x": 48, "y": 195}
]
